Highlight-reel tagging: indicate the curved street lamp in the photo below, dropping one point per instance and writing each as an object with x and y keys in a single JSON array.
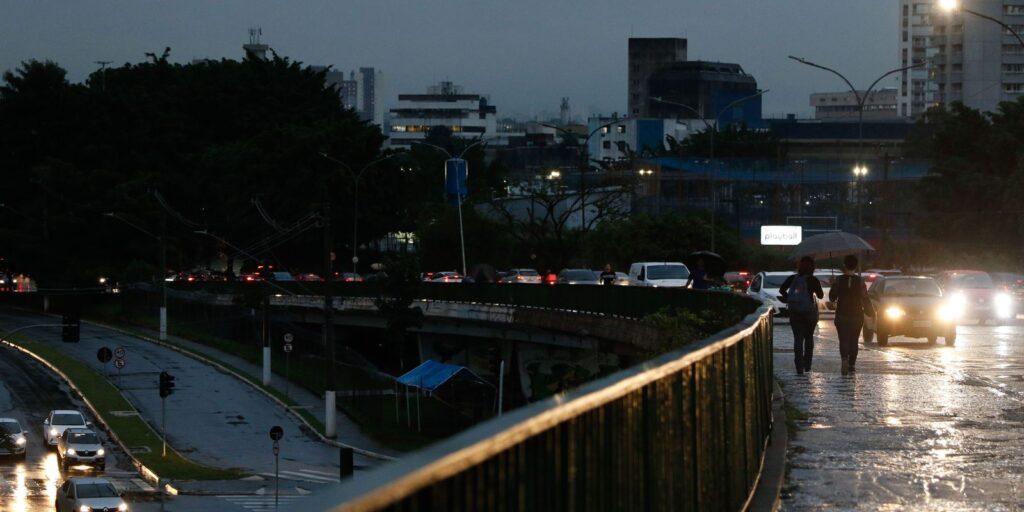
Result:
[
  {"x": 711, "y": 130},
  {"x": 862, "y": 99},
  {"x": 952, "y": 6}
]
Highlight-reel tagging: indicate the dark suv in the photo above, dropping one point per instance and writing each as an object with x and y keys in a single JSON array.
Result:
[{"x": 910, "y": 306}]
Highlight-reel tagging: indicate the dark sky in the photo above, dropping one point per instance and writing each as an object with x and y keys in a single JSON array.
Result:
[{"x": 524, "y": 54}]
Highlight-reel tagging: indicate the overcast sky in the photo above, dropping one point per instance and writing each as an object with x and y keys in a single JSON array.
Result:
[{"x": 524, "y": 54}]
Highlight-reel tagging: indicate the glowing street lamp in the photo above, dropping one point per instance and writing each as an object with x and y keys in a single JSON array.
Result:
[
  {"x": 951, "y": 6},
  {"x": 555, "y": 175},
  {"x": 859, "y": 172}
]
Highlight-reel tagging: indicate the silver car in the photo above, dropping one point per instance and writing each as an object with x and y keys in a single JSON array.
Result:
[
  {"x": 12, "y": 438},
  {"x": 81, "y": 447},
  {"x": 92, "y": 494},
  {"x": 60, "y": 420}
]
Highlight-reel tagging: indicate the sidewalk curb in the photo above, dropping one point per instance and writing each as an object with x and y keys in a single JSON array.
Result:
[
  {"x": 220, "y": 366},
  {"x": 768, "y": 493},
  {"x": 144, "y": 471}
]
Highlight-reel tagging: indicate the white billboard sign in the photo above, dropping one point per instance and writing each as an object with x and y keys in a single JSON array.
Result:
[{"x": 781, "y": 235}]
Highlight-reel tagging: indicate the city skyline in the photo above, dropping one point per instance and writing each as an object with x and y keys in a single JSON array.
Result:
[{"x": 525, "y": 59}]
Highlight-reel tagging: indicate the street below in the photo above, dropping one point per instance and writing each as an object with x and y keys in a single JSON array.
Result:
[{"x": 918, "y": 427}]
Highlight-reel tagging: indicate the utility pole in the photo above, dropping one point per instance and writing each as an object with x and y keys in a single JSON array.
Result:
[
  {"x": 103, "y": 73},
  {"x": 329, "y": 395},
  {"x": 162, "y": 275}
]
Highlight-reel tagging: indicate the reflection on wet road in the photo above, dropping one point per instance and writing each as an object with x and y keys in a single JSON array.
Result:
[
  {"x": 918, "y": 428},
  {"x": 30, "y": 485}
]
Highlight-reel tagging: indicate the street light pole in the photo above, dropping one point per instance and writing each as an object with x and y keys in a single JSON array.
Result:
[
  {"x": 459, "y": 199},
  {"x": 955, "y": 5},
  {"x": 861, "y": 101},
  {"x": 711, "y": 152},
  {"x": 356, "y": 178}
]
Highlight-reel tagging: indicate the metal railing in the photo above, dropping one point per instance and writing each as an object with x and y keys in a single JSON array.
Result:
[{"x": 684, "y": 431}]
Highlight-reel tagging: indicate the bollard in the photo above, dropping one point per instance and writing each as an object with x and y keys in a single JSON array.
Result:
[{"x": 347, "y": 466}]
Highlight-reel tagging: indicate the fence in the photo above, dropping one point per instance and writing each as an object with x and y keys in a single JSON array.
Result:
[{"x": 684, "y": 431}]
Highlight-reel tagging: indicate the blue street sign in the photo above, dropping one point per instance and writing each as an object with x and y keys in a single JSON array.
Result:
[{"x": 456, "y": 172}]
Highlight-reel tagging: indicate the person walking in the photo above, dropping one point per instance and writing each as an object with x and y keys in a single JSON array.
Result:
[
  {"x": 608, "y": 275},
  {"x": 698, "y": 277},
  {"x": 852, "y": 304},
  {"x": 798, "y": 292}
]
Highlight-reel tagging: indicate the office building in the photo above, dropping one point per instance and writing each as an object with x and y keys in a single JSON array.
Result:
[
  {"x": 842, "y": 106},
  {"x": 706, "y": 88},
  {"x": 964, "y": 57},
  {"x": 647, "y": 55},
  {"x": 360, "y": 91},
  {"x": 616, "y": 141},
  {"x": 468, "y": 116}
]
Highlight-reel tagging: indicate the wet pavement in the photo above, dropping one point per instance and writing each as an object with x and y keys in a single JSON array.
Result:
[{"x": 919, "y": 427}]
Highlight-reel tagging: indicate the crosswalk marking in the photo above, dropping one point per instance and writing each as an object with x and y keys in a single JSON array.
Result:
[
  {"x": 306, "y": 475},
  {"x": 265, "y": 502}
]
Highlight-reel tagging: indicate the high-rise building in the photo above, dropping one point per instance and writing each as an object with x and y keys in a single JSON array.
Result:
[
  {"x": 966, "y": 58},
  {"x": 359, "y": 92},
  {"x": 468, "y": 116},
  {"x": 647, "y": 55},
  {"x": 707, "y": 88}
]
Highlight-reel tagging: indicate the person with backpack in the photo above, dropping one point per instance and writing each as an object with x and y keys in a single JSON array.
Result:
[
  {"x": 852, "y": 304},
  {"x": 798, "y": 292}
]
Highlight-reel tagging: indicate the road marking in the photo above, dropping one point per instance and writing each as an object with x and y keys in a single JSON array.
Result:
[
  {"x": 306, "y": 476},
  {"x": 261, "y": 502}
]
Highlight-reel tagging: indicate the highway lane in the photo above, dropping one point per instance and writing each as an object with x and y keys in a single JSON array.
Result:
[{"x": 28, "y": 391}]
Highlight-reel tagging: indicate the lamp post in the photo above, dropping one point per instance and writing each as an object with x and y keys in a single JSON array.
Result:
[
  {"x": 162, "y": 275},
  {"x": 861, "y": 101},
  {"x": 860, "y": 171},
  {"x": 462, "y": 237},
  {"x": 951, "y": 6},
  {"x": 356, "y": 178},
  {"x": 711, "y": 130}
]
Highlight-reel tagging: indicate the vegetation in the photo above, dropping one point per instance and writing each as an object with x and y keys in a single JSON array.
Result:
[{"x": 131, "y": 429}]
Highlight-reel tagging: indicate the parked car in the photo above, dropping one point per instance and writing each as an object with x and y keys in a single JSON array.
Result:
[
  {"x": 765, "y": 287},
  {"x": 621, "y": 279},
  {"x": 348, "y": 277},
  {"x": 88, "y": 494},
  {"x": 658, "y": 274},
  {"x": 81, "y": 446},
  {"x": 308, "y": 277},
  {"x": 826, "y": 277},
  {"x": 521, "y": 276},
  {"x": 578, "y": 276},
  {"x": 58, "y": 421},
  {"x": 12, "y": 438},
  {"x": 977, "y": 295},
  {"x": 911, "y": 306}
]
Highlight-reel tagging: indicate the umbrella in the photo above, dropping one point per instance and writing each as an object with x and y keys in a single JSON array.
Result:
[
  {"x": 832, "y": 244},
  {"x": 714, "y": 265}
]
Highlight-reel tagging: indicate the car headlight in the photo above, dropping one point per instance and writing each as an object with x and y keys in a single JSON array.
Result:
[
  {"x": 122, "y": 507},
  {"x": 53, "y": 432},
  {"x": 100, "y": 452},
  {"x": 949, "y": 312},
  {"x": 1003, "y": 303},
  {"x": 84, "y": 508},
  {"x": 20, "y": 441},
  {"x": 895, "y": 312},
  {"x": 71, "y": 451}
]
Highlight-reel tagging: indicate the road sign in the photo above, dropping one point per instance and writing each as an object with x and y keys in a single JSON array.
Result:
[
  {"x": 119, "y": 363},
  {"x": 287, "y": 348},
  {"x": 288, "y": 338},
  {"x": 276, "y": 433},
  {"x": 104, "y": 355},
  {"x": 119, "y": 352}
]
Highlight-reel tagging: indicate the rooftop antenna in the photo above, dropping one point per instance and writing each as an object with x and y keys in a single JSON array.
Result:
[{"x": 254, "y": 35}]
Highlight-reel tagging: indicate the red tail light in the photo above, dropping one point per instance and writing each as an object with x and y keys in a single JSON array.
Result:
[{"x": 349, "y": 279}]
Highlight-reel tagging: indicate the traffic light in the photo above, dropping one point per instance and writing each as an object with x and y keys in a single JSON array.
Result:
[
  {"x": 166, "y": 384},
  {"x": 71, "y": 329}
]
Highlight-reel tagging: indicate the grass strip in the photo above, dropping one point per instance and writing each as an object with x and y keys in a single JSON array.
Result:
[{"x": 132, "y": 430}]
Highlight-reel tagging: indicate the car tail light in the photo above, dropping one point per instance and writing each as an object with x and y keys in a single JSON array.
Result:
[
  {"x": 519, "y": 278},
  {"x": 349, "y": 279}
]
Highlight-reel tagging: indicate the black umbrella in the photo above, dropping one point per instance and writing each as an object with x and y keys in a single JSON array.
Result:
[{"x": 714, "y": 265}]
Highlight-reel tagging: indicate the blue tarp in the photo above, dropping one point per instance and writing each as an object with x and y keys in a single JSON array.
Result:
[{"x": 431, "y": 375}]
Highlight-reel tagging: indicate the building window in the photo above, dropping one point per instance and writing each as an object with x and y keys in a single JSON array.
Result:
[
  {"x": 636, "y": 97},
  {"x": 621, "y": 128},
  {"x": 606, "y": 144},
  {"x": 1013, "y": 69},
  {"x": 1013, "y": 88},
  {"x": 1013, "y": 10},
  {"x": 604, "y": 130}
]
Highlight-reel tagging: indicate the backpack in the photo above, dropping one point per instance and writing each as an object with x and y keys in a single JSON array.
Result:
[{"x": 799, "y": 296}]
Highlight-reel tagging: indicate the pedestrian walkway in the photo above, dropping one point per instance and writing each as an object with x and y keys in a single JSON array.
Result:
[
  {"x": 900, "y": 434},
  {"x": 265, "y": 502},
  {"x": 348, "y": 432}
]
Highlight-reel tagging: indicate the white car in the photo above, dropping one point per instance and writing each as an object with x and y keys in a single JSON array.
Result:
[
  {"x": 81, "y": 447},
  {"x": 89, "y": 494},
  {"x": 664, "y": 274},
  {"x": 12, "y": 438},
  {"x": 521, "y": 276},
  {"x": 60, "y": 420},
  {"x": 765, "y": 286}
]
